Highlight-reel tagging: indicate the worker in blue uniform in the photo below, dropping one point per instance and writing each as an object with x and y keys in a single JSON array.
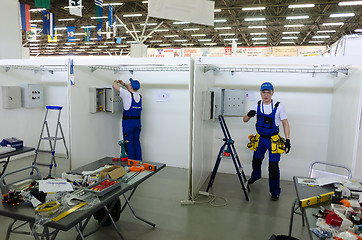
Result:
[
  {"x": 269, "y": 115},
  {"x": 131, "y": 120}
]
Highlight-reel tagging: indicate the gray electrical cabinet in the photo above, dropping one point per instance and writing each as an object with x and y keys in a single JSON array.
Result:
[
  {"x": 104, "y": 100},
  {"x": 32, "y": 95},
  {"x": 11, "y": 96},
  {"x": 228, "y": 102},
  {"x": 234, "y": 100}
]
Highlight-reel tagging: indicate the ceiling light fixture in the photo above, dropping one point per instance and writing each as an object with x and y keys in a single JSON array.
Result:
[
  {"x": 260, "y": 33},
  {"x": 289, "y": 37},
  {"x": 220, "y": 20},
  {"x": 171, "y": 36},
  {"x": 227, "y": 34},
  {"x": 342, "y": 15},
  {"x": 98, "y": 17},
  {"x": 252, "y": 8},
  {"x": 66, "y": 19},
  {"x": 133, "y": 15},
  {"x": 256, "y": 26},
  {"x": 297, "y": 17},
  {"x": 187, "y": 44},
  {"x": 358, "y": 30},
  {"x": 261, "y": 43},
  {"x": 294, "y": 25},
  {"x": 37, "y": 10},
  {"x": 326, "y": 31},
  {"x": 198, "y": 35},
  {"x": 222, "y": 28},
  {"x": 90, "y": 26},
  {"x": 160, "y": 30},
  {"x": 287, "y": 42},
  {"x": 290, "y": 32},
  {"x": 191, "y": 29},
  {"x": 178, "y": 23},
  {"x": 333, "y": 24},
  {"x": 204, "y": 40},
  {"x": 350, "y": 3},
  {"x": 301, "y": 6},
  {"x": 316, "y": 42},
  {"x": 321, "y": 36},
  {"x": 258, "y": 39},
  {"x": 254, "y": 19},
  {"x": 230, "y": 39},
  {"x": 180, "y": 40}
]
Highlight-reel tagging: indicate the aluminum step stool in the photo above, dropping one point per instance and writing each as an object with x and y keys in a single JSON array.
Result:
[{"x": 52, "y": 140}]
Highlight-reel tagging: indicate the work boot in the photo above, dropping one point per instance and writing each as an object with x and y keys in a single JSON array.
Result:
[
  {"x": 251, "y": 181},
  {"x": 274, "y": 197}
]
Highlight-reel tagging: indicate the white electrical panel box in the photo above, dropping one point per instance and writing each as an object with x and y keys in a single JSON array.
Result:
[
  {"x": 104, "y": 100},
  {"x": 32, "y": 95},
  {"x": 217, "y": 101},
  {"x": 96, "y": 100},
  {"x": 234, "y": 100},
  {"x": 208, "y": 109},
  {"x": 11, "y": 96},
  {"x": 114, "y": 102}
]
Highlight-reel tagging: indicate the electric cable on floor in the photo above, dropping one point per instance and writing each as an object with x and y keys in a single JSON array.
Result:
[{"x": 211, "y": 200}]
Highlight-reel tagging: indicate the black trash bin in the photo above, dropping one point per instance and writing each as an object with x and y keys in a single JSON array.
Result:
[{"x": 282, "y": 237}]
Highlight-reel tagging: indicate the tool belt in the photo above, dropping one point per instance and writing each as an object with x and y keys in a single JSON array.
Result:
[
  {"x": 254, "y": 141},
  {"x": 277, "y": 144}
]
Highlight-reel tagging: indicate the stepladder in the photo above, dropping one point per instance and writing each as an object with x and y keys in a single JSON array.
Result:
[
  {"x": 228, "y": 149},
  {"x": 51, "y": 139}
]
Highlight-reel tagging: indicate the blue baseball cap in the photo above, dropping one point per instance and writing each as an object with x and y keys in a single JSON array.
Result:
[
  {"x": 266, "y": 86},
  {"x": 135, "y": 84}
]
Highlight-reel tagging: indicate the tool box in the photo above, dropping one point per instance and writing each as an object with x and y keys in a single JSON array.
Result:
[{"x": 12, "y": 142}]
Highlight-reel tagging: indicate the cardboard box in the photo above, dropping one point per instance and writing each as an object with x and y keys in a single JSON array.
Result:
[{"x": 113, "y": 172}]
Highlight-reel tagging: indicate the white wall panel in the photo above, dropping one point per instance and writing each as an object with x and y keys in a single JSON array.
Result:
[{"x": 166, "y": 126}]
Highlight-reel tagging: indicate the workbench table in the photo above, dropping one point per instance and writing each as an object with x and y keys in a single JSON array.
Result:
[
  {"x": 80, "y": 218},
  {"x": 13, "y": 153},
  {"x": 305, "y": 191}
]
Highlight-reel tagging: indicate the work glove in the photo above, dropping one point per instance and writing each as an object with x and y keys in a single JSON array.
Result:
[
  {"x": 287, "y": 145},
  {"x": 251, "y": 113}
]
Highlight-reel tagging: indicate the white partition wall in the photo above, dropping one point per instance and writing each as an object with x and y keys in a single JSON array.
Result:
[
  {"x": 166, "y": 125},
  {"x": 346, "y": 122},
  {"x": 310, "y": 100},
  {"x": 26, "y": 123}
]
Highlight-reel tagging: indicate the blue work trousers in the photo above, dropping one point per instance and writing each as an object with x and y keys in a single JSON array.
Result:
[
  {"x": 274, "y": 158},
  {"x": 131, "y": 132}
]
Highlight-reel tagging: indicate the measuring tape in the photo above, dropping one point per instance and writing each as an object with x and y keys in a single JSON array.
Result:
[
  {"x": 314, "y": 200},
  {"x": 60, "y": 216}
]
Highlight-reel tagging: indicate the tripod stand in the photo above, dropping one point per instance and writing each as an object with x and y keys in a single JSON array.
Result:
[{"x": 229, "y": 143}]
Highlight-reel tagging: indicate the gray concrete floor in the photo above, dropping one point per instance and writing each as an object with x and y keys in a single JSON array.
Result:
[{"x": 158, "y": 200}]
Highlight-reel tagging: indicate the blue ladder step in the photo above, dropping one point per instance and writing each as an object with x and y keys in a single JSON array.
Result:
[{"x": 54, "y": 107}]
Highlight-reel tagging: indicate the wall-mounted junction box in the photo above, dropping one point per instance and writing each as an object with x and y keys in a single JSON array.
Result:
[
  {"x": 32, "y": 95},
  {"x": 11, "y": 96},
  {"x": 104, "y": 100}
]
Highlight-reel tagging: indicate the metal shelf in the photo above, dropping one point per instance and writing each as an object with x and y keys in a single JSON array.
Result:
[
  {"x": 47, "y": 68},
  {"x": 132, "y": 68},
  {"x": 280, "y": 69}
]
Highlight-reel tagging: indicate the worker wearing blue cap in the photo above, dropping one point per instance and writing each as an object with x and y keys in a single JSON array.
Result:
[
  {"x": 131, "y": 120},
  {"x": 269, "y": 116}
]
